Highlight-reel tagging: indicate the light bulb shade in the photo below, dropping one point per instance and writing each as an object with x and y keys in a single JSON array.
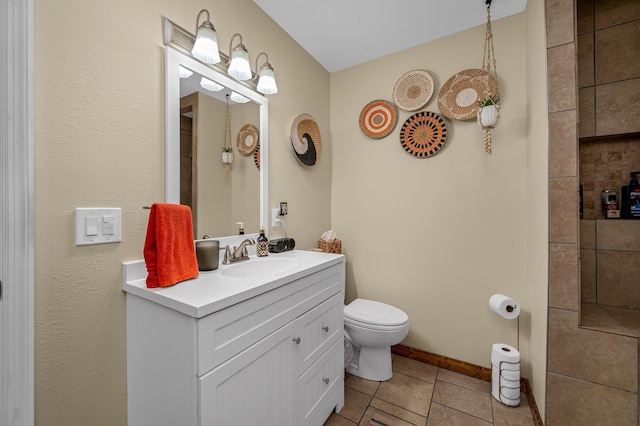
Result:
[
  {"x": 237, "y": 98},
  {"x": 210, "y": 85},
  {"x": 205, "y": 48},
  {"x": 184, "y": 72},
  {"x": 239, "y": 67},
  {"x": 267, "y": 81}
]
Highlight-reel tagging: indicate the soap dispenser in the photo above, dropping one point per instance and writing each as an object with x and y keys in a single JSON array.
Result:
[
  {"x": 262, "y": 244},
  {"x": 240, "y": 228}
]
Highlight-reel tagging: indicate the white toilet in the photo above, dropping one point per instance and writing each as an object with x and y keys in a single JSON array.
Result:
[{"x": 372, "y": 328}]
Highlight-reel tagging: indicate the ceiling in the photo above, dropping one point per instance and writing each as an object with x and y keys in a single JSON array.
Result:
[{"x": 342, "y": 33}]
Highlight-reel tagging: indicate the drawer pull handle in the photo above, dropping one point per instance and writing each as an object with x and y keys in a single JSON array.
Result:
[
  {"x": 326, "y": 380},
  {"x": 326, "y": 328},
  {"x": 297, "y": 340}
]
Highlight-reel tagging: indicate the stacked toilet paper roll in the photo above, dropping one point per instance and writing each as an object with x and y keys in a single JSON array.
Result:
[{"x": 505, "y": 374}]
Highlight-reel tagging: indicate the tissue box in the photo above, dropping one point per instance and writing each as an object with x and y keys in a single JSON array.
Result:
[{"x": 334, "y": 246}]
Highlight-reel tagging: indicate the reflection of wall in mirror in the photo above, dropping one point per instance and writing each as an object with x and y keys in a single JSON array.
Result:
[{"x": 223, "y": 201}]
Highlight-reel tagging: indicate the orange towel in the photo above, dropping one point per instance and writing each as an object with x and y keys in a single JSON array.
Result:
[{"x": 169, "y": 248}]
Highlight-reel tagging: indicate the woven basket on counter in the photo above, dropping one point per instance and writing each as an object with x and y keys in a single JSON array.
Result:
[{"x": 333, "y": 247}]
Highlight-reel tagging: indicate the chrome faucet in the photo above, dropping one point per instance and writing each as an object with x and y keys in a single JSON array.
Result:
[{"x": 239, "y": 253}]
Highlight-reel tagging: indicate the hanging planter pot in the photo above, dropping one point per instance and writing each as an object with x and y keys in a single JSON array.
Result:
[
  {"x": 227, "y": 157},
  {"x": 488, "y": 115}
]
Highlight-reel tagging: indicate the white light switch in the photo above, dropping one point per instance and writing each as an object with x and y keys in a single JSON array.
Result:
[
  {"x": 92, "y": 226},
  {"x": 98, "y": 225}
]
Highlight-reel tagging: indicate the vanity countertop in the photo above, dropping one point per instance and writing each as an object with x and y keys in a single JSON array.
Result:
[{"x": 212, "y": 291}]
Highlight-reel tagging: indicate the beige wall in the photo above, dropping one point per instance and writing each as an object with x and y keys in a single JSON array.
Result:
[
  {"x": 534, "y": 322},
  {"x": 438, "y": 236},
  {"x": 99, "y": 141}
]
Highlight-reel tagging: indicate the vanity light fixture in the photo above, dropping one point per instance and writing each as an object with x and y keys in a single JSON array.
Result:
[
  {"x": 184, "y": 72},
  {"x": 210, "y": 85},
  {"x": 239, "y": 67},
  {"x": 266, "y": 77},
  {"x": 238, "y": 98},
  {"x": 205, "y": 47}
]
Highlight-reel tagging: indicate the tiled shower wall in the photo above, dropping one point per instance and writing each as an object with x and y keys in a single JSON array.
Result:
[
  {"x": 609, "y": 248},
  {"x": 587, "y": 381},
  {"x": 609, "y": 261}
]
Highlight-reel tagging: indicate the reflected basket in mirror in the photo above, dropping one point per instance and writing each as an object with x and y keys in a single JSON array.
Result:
[{"x": 334, "y": 246}]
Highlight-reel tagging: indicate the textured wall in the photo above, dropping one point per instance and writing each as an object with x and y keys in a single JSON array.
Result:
[
  {"x": 99, "y": 141},
  {"x": 438, "y": 236}
]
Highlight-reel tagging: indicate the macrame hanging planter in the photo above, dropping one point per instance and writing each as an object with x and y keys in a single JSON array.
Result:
[
  {"x": 489, "y": 107},
  {"x": 227, "y": 149}
]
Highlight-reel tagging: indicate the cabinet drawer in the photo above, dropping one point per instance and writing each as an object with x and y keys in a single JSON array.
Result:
[
  {"x": 318, "y": 330},
  {"x": 223, "y": 334},
  {"x": 319, "y": 382}
]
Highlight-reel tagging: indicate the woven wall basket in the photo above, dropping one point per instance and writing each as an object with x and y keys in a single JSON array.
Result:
[
  {"x": 256, "y": 156},
  {"x": 413, "y": 90},
  {"x": 247, "y": 139},
  {"x": 423, "y": 134},
  {"x": 306, "y": 139},
  {"x": 378, "y": 118},
  {"x": 458, "y": 98}
]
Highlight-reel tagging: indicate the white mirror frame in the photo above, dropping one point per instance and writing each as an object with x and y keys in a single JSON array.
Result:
[{"x": 174, "y": 58}]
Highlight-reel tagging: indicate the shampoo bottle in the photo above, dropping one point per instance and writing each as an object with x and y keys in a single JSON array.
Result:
[
  {"x": 262, "y": 244},
  {"x": 634, "y": 196}
]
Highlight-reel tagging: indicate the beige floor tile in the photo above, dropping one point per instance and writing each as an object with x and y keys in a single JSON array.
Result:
[
  {"x": 407, "y": 392},
  {"x": 384, "y": 418},
  {"x": 475, "y": 403},
  {"x": 509, "y": 418},
  {"x": 464, "y": 381},
  {"x": 355, "y": 404},
  {"x": 367, "y": 386},
  {"x": 523, "y": 409},
  {"x": 440, "y": 415},
  {"x": 630, "y": 318},
  {"x": 594, "y": 316},
  {"x": 337, "y": 420},
  {"x": 399, "y": 412},
  {"x": 413, "y": 368}
]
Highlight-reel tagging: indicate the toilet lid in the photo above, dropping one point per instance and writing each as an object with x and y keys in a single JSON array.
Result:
[{"x": 376, "y": 313}]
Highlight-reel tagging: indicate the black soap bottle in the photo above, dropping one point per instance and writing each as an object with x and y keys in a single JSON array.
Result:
[
  {"x": 634, "y": 196},
  {"x": 262, "y": 244}
]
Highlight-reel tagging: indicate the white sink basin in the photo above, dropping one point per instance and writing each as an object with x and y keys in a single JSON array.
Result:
[{"x": 259, "y": 267}]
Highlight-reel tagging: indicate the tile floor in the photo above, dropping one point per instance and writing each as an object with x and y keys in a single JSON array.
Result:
[
  {"x": 611, "y": 318},
  {"x": 422, "y": 394}
]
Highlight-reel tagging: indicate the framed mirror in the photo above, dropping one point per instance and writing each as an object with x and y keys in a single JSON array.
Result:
[{"x": 218, "y": 199}]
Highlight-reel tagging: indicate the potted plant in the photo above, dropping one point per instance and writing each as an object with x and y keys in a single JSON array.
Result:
[
  {"x": 488, "y": 110},
  {"x": 227, "y": 155}
]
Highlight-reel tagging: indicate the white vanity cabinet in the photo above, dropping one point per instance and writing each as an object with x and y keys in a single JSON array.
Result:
[{"x": 274, "y": 358}]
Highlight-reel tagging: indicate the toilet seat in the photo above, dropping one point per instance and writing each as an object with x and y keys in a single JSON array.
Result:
[{"x": 375, "y": 315}]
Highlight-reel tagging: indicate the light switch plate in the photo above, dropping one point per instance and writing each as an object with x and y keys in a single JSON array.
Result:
[{"x": 98, "y": 225}]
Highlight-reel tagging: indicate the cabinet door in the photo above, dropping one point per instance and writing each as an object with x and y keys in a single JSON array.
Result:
[
  {"x": 319, "y": 329},
  {"x": 256, "y": 387}
]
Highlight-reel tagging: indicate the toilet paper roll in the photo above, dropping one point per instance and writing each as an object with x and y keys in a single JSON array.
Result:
[
  {"x": 509, "y": 393},
  {"x": 510, "y": 375},
  {"x": 504, "y": 306},
  {"x": 503, "y": 352}
]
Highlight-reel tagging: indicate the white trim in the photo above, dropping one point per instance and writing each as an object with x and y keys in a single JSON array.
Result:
[{"x": 17, "y": 214}]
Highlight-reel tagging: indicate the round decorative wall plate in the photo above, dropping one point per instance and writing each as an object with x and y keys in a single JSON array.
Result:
[
  {"x": 459, "y": 96},
  {"x": 378, "y": 118},
  {"x": 413, "y": 90},
  {"x": 423, "y": 134},
  {"x": 306, "y": 139},
  {"x": 256, "y": 156},
  {"x": 247, "y": 139}
]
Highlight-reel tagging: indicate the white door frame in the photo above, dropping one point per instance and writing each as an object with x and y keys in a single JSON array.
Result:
[{"x": 16, "y": 213}]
